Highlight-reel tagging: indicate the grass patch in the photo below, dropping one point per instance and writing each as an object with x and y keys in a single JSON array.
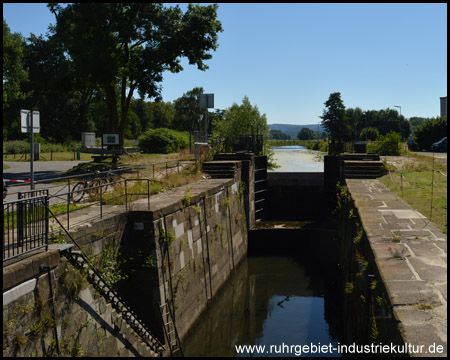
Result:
[
  {"x": 138, "y": 189},
  {"x": 10, "y": 217},
  {"x": 413, "y": 183}
]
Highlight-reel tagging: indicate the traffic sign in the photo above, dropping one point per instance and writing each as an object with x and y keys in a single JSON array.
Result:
[{"x": 25, "y": 120}]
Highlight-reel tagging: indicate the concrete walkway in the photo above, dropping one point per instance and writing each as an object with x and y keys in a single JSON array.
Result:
[{"x": 411, "y": 255}]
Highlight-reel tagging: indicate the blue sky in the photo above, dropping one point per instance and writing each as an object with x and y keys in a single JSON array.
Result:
[{"x": 288, "y": 58}]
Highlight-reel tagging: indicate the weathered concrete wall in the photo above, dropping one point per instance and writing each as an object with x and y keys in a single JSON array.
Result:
[
  {"x": 396, "y": 266},
  {"x": 294, "y": 196},
  {"x": 198, "y": 234},
  {"x": 82, "y": 323}
]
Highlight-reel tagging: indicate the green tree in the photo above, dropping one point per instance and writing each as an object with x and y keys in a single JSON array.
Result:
[
  {"x": 430, "y": 131},
  {"x": 13, "y": 70},
  {"x": 355, "y": 118},
  {"x": 125, "y": 47},
  {"x": 336, "y": 122},
  {"x": 144, "y": 112},
  {"x": 372, "y": 134},
  {"x": 54, "y": 88},
  {"x": 305, "y": 134},
  {"x": 415, "y": 121},
  {"x": 279, "y": 135},
  {"x": 188, "y": 111},
  {"x": 163, "y": 114},
  {"x": 243, "y": 119}
]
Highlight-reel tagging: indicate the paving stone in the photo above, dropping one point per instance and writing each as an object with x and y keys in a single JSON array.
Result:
[
  {"x": 412, "y": 293},
  {"x": 415, "y": 279},
  {"x": 390, "y": 250},
  {"x": 429, "y": 268},
  {"x": 395, "y": 269}
]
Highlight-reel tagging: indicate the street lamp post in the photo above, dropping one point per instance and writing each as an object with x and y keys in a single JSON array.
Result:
[{"x": 397, "y": 106}]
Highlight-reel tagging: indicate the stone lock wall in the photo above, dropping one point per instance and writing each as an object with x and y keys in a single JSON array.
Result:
[
  {"x": 205, "y": 242},
  {"x": 196, "y": 237},
  {"x": 182, "y": 250},
  {"x": 69, "y": 318}
]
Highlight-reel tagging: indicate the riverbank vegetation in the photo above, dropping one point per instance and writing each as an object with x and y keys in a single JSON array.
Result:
[{"x": 422, "y": 183}]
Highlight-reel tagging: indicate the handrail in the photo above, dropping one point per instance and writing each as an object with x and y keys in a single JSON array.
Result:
[
  {"x": 100, "y": 172},
  {"x": 117, "y": 297}
]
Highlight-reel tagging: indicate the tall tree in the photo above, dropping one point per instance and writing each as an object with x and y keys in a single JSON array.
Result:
[
  {"x": 335, "y": 121},
  {"x": 163, "y": 114},
  {"x": 305, "y": 134},
  {"x": 188, "y": 111},
  {"x": 13, "y": 70},
  {"x": 127, "y": 46},
  {"x": 243, "y": 119}
]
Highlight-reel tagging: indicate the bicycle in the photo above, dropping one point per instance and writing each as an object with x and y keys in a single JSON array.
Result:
[
  {"x": 89, "y": 184},
  {"x": 94, "y": 186}
]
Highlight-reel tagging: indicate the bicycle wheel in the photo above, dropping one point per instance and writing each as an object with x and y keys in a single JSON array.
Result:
[
  {"x": 93, "y": 189},
  {"x": 77, "y": 192}
]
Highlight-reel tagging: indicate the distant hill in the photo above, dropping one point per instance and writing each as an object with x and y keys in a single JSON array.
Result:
[{"x": 292, "y": 130}]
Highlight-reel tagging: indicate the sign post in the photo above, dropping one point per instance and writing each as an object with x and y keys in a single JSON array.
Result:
[
  {"x": 30, "y": 123},
  {"x": 206, "y": 101}
]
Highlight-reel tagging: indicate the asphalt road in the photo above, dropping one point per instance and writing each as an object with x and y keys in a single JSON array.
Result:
[
  {"x": 442, "y": 155},
  {"x": 42, "y": 170}
]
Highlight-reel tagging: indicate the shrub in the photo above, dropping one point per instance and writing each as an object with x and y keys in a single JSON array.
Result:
[
  {"x": 163, "y": 141},
  {"x": 16, "y": 147},
  {"x": 386, "y": 145}
]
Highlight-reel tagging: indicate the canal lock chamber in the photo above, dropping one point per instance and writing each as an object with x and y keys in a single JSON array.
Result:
[{"x": 286, "y": 290}]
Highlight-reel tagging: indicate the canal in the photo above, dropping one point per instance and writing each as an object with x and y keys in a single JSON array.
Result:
[
  {"x": 297, "y": 159},
  {"x": 270, "y": 300}
]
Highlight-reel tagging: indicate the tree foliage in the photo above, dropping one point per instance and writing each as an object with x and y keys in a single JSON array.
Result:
[
  {"x": 430, "y": 131},
  {"x": 334, "y": 118},
  {"x": 279, "y": 135},
  {"x": 369, "y": 133},
  {"x": 388, "y": 144},
  {"x": 305, "y": 134},
  {"x": 13, "y": 70},
  {"x": 188, "y": 111},
  {"x": 163, "y": 141},
  {"x": 243, "y": 119},
  {"x": 336, "y": 122},
  {"x": 125, "y": 47}
]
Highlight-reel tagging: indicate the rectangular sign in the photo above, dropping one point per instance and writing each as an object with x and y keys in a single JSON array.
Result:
[
  {"x": 207, "y": 101},
  {"x": 25, "y": 121},
  {"x": 110, "y": 139}
]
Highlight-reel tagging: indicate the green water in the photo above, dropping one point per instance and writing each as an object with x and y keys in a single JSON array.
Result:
[{"x": 268, "y": 301}]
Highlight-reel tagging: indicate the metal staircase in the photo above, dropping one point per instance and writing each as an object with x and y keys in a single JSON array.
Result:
[{"x": 80, "y": 261}]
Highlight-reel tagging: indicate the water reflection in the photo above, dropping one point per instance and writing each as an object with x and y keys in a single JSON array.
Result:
[
  {"x": 297, "y": 159},
  {"x": 268, "y": 301}
]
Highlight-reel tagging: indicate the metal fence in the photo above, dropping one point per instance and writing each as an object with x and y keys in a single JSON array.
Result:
[
  {"x": 25, "y": 226},
  {"x": 26, "y": 220}
]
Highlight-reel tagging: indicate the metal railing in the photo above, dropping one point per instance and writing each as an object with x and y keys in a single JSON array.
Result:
[
  {"x": 152, "y": 171},
  {"x": 101, "y": 199},
  {"x": 26, "y": 220},
  {"x": 25, "y": 226}
]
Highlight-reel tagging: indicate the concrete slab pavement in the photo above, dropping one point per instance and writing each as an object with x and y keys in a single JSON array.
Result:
[{"x": 411, "y": 255}]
